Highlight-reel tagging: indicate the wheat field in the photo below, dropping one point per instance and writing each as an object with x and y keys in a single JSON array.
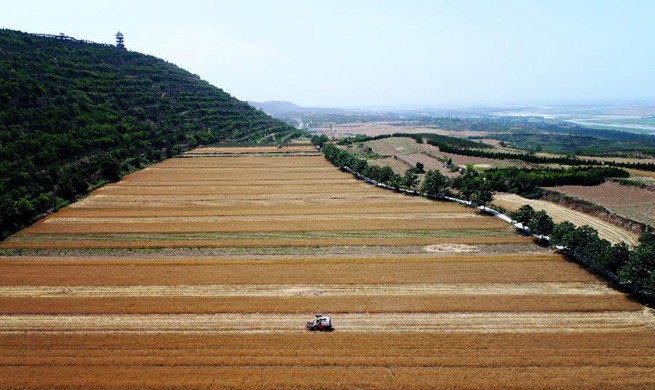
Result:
[{"x": 200, "y": 272}]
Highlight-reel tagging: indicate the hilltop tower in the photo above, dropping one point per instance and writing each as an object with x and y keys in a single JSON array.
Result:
[{"x": 119, "y": 40}]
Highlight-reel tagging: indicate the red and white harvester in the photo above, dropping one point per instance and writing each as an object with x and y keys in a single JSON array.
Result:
[{"x": 320, "y": 323}]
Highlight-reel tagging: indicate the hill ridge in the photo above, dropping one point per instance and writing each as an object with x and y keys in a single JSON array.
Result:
[{"x": 74, "y": 114}]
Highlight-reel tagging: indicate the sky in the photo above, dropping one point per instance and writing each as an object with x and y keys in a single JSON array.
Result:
[{"x": 384, "y": 53}]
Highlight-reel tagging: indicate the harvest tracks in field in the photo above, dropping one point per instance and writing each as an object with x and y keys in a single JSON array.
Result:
[
  {"x": 606, "y": 322},
  {"x": 200, "y": 272},
  {"x": 635, "y": 203},
  {"x": 559, "y": 214}
]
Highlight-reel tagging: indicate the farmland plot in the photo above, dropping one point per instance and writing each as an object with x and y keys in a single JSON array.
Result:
[
  {"x": 559, "y": 213},
  {"x": 200, "y": 272},
  {"x": 631, "y": 202}
]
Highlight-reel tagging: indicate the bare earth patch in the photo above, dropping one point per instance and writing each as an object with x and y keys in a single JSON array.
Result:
[
  {"x": 460, "y": 248},
  {"x": 609, "y": 194},
  {"x": 631, "y": 202}
]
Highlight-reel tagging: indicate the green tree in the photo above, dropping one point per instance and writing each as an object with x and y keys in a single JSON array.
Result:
[
  {"x": 596, "y": 250},
  {"x": 620, "y": 254},
  {"x": 386, "y": 173},
  {"x": 359, "y": 165},
  {"x": 319, "y": 140},
  {"x": 523, "y": 214},
  {"x": 111, "y": 169},
  {"x": 640, "y": 270},
  {"x": 26, "y": 209},
  {"x": 465, "y": 186},
  {"x": 482, "y": 194},
  {"x": 420, "y": 168},
  {"x": 562, "y": 230},
  {"x": 410, "y": 179},
  {"x": 396, "y": 181},
  {"x": 579, "y": 237},
  {"x": 541, "y": 224},
  {"x": 647, "y": 238},
  {"x": 435, "y": 183}
]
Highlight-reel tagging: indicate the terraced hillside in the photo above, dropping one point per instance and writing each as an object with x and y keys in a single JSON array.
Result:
[
  {"x": 74, "y": 114},
  {"x": 200, "y": 272}
]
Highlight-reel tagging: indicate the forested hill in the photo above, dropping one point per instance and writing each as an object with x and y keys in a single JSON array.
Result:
[{"x": 76, "y": 114}]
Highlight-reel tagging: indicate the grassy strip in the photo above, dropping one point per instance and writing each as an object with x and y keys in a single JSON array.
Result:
[
  {"x": 236, "y": 252},
  {"x": 445, "y": 233},
  {"x": 634, "y": 183}
]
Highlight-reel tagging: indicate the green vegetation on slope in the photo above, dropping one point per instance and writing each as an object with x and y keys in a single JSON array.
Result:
[{"x": 76, "y": 114}]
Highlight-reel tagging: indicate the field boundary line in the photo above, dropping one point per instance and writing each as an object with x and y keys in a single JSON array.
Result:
[{"x": 308, "y": 290}]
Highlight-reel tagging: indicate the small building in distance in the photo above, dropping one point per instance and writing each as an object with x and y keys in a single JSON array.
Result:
[{"x": 119, "y": 40}]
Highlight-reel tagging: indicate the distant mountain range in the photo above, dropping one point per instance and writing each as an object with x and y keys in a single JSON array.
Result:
[{"x": 284, "y": 108}]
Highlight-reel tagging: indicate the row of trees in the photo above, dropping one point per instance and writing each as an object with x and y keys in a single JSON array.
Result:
[
  {"x": 536, "y": 159},
  {"x": 517, "y": 180},
  {"x": 553, "y": 135},
  {"x": 465, "y": 147},
  {"x": 523, "y": 181},
  {"x": 432, "y": 139},
  {"x": 633, "y": 269},
  {"x": 526, "y": 181},
  {"x": 470, "y": 186}
]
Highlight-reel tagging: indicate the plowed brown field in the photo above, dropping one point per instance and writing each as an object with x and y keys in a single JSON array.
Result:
[
  {"x": 635, "y": 203},
  {"x": 200, "y": 273}
]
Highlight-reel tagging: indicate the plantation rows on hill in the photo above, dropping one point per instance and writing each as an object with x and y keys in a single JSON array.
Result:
[{"x": 74, "y": 114}]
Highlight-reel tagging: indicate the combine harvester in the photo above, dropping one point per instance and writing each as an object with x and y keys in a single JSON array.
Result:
[{"x": 320, "y": 323}]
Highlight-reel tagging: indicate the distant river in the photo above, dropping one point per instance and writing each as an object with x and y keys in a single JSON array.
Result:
[{"x": 618, "y": 125}]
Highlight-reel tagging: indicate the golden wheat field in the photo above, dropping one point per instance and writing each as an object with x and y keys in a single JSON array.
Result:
[{"x": 200, "y": 272}]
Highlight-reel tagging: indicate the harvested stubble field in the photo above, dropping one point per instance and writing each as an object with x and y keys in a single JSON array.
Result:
[
  {"x": 383, "y": 128},
  {"x": 408, "y": 152},
  {"x": 397, "y": 165},
  {"x": 200, "y": 273},
  {"x": 606, "y": 230},
  {"x": 405, "y": 153},
  {"x": 248, "y": 150},
  {"x": 635, "y": 203}
]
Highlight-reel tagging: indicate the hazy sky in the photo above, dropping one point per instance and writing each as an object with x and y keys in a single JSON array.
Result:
[{"x": 379, "y": 53}]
